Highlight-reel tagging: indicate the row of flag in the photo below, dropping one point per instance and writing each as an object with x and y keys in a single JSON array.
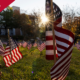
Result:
[
  {"x": 11, "y": 54},
  {"x": 39, "y": 45},
  {"x": 64, "y": 40},
  {"x": 78, "y": 46}
]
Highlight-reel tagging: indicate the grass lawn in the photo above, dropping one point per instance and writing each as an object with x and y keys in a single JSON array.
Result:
[{"x": 36, "y": 67}]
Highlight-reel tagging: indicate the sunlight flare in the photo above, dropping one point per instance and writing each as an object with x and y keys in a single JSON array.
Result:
[{"x": 44, "y": 19}]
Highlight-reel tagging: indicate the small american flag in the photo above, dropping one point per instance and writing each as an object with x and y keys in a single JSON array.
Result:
[
  {"x": 24, "y": 44},
  {"x": 1, "y": 49},
  {"x": 19, "y": 44},
  {"x": 41, "y": 46},
  {"x": 35, "y": 44},
  {"x": 29, "y": 46},
  {"x": 15, "y": 53},
  {"x": 78, "y": 46}
]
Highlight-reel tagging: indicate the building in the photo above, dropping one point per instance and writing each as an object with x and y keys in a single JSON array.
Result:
[
  {"x": 12, "y": 32},
  {"x": 16, "y": 8}
]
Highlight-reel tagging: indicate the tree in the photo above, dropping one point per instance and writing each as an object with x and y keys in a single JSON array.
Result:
[
  {"x": 71, "y": 21},
  {"x": 7, "y": 20},
  {"x": 77, "y": 32},
  {"x": 36, "y": 22}
]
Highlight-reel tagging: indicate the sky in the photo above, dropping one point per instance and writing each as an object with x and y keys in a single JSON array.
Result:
[{"x": 30, "y": 5}]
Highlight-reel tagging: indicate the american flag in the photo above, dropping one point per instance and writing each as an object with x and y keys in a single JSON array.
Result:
[
  {"x": 19, "y": 44},
  {"x": 29, "y": 46},
  {"x": 57, "y": 16},
  {"x": 15, "y": 53},
  {"x": 78, "y": 46},
  {"x": 49, "y": 36},
  {"x": 35, "y": 44},
  {"x": 1, "y": 49},
  {"x": 24, "y": 44},
  {"x": 64, "y": 42},
  {"x": 41, "y": 46}
]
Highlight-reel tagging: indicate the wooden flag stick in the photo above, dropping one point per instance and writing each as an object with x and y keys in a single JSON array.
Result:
[
  {"x": 10, "y": 52},
  {"x": 52, "y": 14}
]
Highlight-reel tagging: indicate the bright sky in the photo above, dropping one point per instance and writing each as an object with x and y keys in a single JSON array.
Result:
[{"x": 29, "y": 5}]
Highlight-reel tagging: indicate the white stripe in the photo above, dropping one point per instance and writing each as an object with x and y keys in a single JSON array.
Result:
[
  {"x": 49, "y": 33},
  {"x": 60, "y": 69},
  {"x": 62, "y": 73},
  {"x": 64, "y": 36},
  {"x": 60, "y": 24},
  {"x": 50, "y": 52},
  {"x": 50, "y": 42},
  {"x": 59, "y": 65},
  {"x": 16, "y": 55},
  {"x": 19, "y": 53},
  {"x": 13, "y": 56},
  {"x": 5, "y": 60},
  {"x": 62, "y": 43},
  {"x": 62, "y": 59},
  {"x": 59, "y": 54},
  {"x": 7, "y": 65},
  {"x": 7, "y": 50},
  {"x": 8, "y": 58},
  {"x": 61, "y": 50},
  {"x": 10, "y": 63}
]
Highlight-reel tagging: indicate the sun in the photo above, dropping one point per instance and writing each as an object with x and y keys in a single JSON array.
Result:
[{"x": 44, "y": 19}]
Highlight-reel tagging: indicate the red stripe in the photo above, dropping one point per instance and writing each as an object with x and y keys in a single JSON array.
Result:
[
  {"x": 61, "y": 66},
  {"x": 14, "y": 55},
  {"x": 50, "y": 47},
  {"x": 7, "y": 52},
  {"x": 20, "y": 53},
  {"x": 61, "y": 73},
  {"x": 49, "y": 38},
  {"x": 7, "y": 48},
  {"x": 5, "y": 60},
  {"x": 64, "y": 72},
  {"x": 60, "y": 46},
  {"x": 60, "y": 61},
  {"x": 51, "y": 57},
  {"x": 17, "y": 54},
  {"x": 64, "y": 31},
  {"x": 63, "y": 40},
  {"x": 58, "y": 21}
]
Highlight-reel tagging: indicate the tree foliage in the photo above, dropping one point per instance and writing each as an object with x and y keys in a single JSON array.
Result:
[
  {"x": 7, "y": 20},
  {"x": 71, "y": 22}
]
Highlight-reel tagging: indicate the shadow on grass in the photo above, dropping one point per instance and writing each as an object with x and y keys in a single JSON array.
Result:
[
  {"x": 40, "y": 69},
  {"x": 72, "y": 75}
]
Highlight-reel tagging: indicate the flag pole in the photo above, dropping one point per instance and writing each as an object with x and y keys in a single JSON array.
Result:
[
  {"x": 52, "y": 14},
  {"x": 10, "y": 52}
]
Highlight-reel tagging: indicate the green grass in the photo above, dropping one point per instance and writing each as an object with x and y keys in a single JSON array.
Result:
[{"x": 22, "y": 69}]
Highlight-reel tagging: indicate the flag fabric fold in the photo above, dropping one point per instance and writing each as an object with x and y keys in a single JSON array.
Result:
[
  {"x": 35, "y": 44},
  {"x": 64, "y": 41},
  {"x": 2, "y": 50},
  {"x": 24, "y": 44},
  {"x": 41, "y": 46},
  {"x": 29, "y": 46},
  {"x": 49, "y": 33},
  {"x": 15, "y": 53}
]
